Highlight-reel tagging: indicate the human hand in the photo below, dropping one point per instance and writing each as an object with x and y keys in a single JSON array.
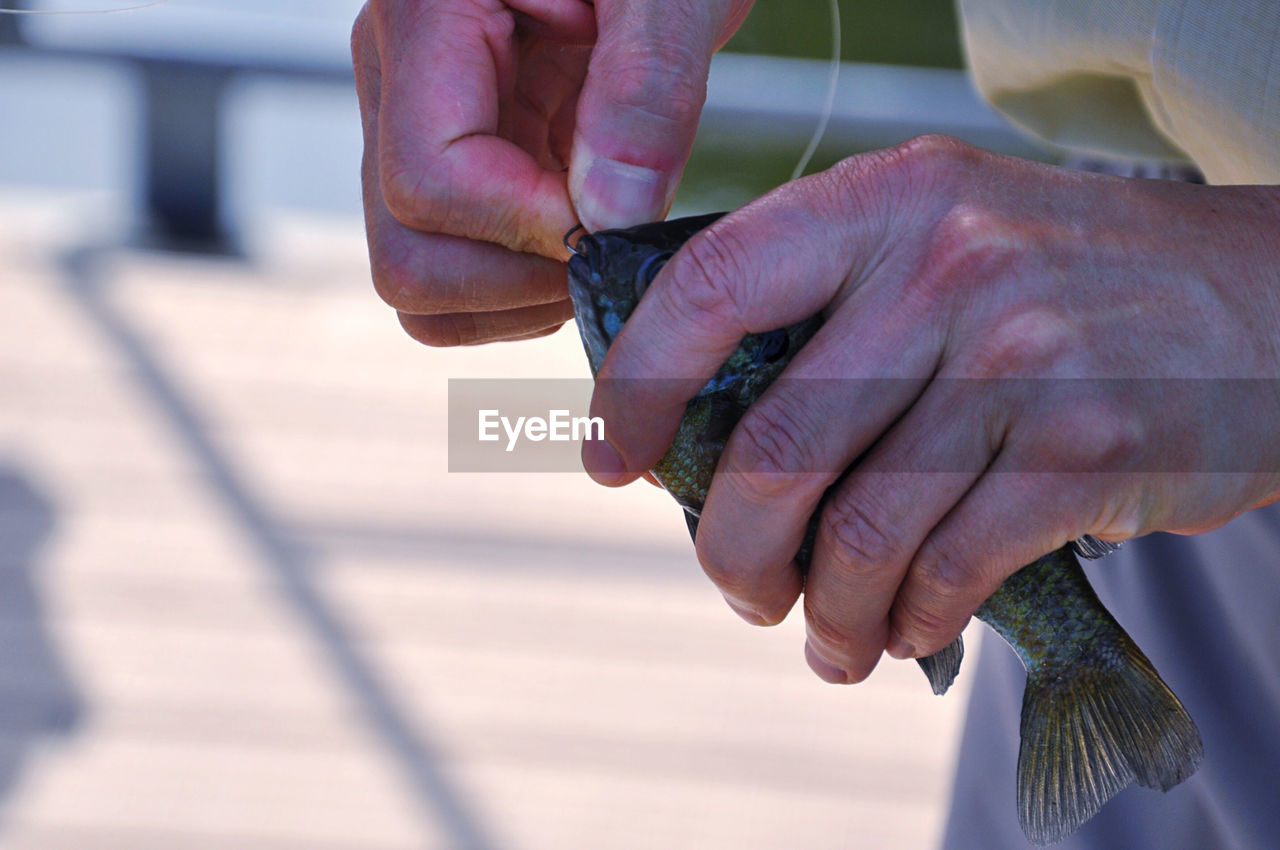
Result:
[
  {"x": 965, "y": 294},
  {"x": 487, "y": 123}
]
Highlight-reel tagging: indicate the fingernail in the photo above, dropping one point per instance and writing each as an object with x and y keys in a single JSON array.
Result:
[
  {"x": 617, "y": 194},
  {"x": 745, "y": 613},
  {"x": 898, "y": 647},
  {"x": 826, "y": 671},
  {"x": 603, "y": 463}
]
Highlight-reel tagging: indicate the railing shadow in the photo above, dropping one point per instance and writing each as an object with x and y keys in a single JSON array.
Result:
[
  {"x": 442, "y": 806},
  {"x": 38, "y": 699}
]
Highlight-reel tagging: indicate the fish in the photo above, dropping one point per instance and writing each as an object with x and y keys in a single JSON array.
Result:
[{"x": 1096, "y": 716}]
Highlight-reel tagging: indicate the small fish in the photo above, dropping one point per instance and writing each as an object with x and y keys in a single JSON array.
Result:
[{"x": 1096, "y": 717}]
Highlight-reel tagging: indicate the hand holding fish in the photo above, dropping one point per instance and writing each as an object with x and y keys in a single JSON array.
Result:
[
  {"x": 482, "y": 118},
  {"x": 966, "y": 279}
]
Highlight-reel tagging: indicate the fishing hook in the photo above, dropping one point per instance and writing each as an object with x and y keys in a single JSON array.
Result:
[{"x": 567, "y": 236}]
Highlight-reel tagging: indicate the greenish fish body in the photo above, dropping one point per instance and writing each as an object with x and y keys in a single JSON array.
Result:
[{"x": 1096, "y": 717}]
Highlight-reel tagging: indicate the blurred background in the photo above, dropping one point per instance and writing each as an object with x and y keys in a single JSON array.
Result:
[{"x": 244, "y": 604}]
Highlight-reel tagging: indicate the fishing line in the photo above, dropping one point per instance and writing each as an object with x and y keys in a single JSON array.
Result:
[
  {"x": 115, "y": 11},
  {"x": 833, "y": 78}
]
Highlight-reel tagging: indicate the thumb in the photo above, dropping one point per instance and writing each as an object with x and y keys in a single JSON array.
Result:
[{"x": 639, "y": 107}]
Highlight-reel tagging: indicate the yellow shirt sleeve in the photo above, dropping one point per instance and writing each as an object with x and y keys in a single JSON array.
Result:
[{"x": 1149, "y": 79}]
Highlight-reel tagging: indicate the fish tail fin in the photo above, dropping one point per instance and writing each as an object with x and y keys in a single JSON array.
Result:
[
  {"x": 941, "y": 667},
  {"x": 1090, "y": 731}
]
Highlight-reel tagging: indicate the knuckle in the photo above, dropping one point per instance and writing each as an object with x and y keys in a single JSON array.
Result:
[
  {"x": 1091, "y": 435},
  {"x": 828, "y": 632},
  {"x": 923, "y": 627},
  {"x": 661, "y": 80},
  {"x": 1120, "y": 517},
  {"x": 397, "y": 274},
  {"x": 940, "y": 582},
  {"x": 775, "y": 447},
  {"x": 970, "y": 229},
  {"x": 1026, "y": 341},
  {"x": 417, "y": 191},
  {"x": 391, "y": 278},
  {"x": 941, "y": 575},
  {"x": 936, "y": 149},
  {"x": 856, "y": 673},
  {"x": 838, "y": 643},
  {"x": 859, "y": 185},
  {"x": 439, "y": 331},
  {"x": 387, "y": 282},
  {"x": 970, "y": 245},
  {"x": 862, "y": 542},
  {"x": 726, "y": 573},
  {"x": 498, "y": 27},
  {"x": 904, "y": 184},
  {"x": 705, "y": 276},
  {"x": 919, "y": 163}
]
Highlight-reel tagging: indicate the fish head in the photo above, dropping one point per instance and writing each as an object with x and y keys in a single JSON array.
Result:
[
  {"x": 610, "y": 271},
  {"x": 608, "y": 275}
]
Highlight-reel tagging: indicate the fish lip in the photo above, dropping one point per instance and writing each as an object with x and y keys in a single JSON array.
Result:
[
  {"x": 584, "y": 273},
  {"x": 584, "y": 276},
  {"x": 580, "y": 269},
  {"x": 586, "y": 249}
]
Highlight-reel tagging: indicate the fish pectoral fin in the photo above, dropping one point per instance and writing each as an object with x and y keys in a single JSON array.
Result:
[
  {"x": 1091, "y": 731},
  {"x": 941, "y": 667}
]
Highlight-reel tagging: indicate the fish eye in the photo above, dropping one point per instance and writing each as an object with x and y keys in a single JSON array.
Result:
[
  {"x": 649, "y": 270},
  {"x": 774, "y": 346}
]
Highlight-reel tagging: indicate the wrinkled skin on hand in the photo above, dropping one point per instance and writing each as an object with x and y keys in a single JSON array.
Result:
[
  {"x": 971, "y": 278},
  {"x": 491, "y": 127}
]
